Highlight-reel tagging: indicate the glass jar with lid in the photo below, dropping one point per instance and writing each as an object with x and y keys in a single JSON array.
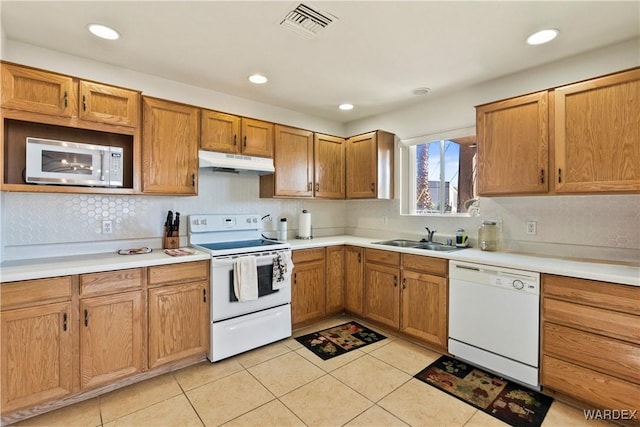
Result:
[{"x": 488, "y": 236}]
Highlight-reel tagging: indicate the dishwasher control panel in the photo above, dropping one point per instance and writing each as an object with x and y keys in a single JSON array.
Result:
[
  {"x": 525, "y": 284},
  {"x": 500, "y": 277}
]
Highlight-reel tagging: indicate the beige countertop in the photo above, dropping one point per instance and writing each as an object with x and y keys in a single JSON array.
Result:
[
  {"x": 614, "y": 273},
  {"x": 58, "y": 266}
]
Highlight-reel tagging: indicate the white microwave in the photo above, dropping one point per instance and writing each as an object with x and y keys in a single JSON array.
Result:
[{"x": 72, "y": 163}]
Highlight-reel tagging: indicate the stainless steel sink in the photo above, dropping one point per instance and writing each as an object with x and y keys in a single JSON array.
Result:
[
  {"x": 399, "y": 243},
  {"x": 430, "y": 246}
]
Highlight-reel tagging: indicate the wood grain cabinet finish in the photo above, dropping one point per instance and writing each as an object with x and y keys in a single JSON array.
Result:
[
  {"x": 596, "y": 135},
  {"x": 170, "y": 136},
  {"x": 591, "y": 341},
  {"x": 227, "y": 133},
  {"x": 329, "y": 167},
  {"x": 308, "y": 286},
  {"x": 369, "y": 166},
  {"x": 38, "y": 341},
  {"x": 354, "y": 280},
  {"x": 513, "y": 145},
  {"x": 382, "y": 294},
  {"x": 109, "y": 104},
  {"x": 293, "y": 161},
  {"x": 335, "y": 279}
]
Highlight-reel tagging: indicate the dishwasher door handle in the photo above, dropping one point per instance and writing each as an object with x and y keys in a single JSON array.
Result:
[{"x": 467, "y": 267}]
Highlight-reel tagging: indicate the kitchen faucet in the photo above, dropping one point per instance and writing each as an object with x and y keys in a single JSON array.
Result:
[{"x": 430, "y": 234}]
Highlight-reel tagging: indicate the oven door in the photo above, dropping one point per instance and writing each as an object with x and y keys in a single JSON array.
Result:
[{"x": 224, "y": 304}]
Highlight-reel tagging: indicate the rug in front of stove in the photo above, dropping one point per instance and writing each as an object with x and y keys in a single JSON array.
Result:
[
  {"x": 505, "y": 400},
  {"x": 339, "y": 339}
]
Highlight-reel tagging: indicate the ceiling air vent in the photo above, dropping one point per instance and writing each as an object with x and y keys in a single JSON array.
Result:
[{"x": 306, "y": 21}]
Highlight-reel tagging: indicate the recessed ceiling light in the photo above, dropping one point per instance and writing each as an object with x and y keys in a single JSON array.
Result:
[
  {"x": 421, "y": 91},
  {"x": 345, "y": 107},
  {"x": 103, "y": 32},
  {"x": 258, "y": 79},
  {"x": 542, "y": 36}
]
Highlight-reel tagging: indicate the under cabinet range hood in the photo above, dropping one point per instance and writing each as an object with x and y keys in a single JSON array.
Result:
[{"x": 225, "y": 162}]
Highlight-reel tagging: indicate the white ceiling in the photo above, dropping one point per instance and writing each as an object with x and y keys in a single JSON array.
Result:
[{"x": 373, "y": 55}]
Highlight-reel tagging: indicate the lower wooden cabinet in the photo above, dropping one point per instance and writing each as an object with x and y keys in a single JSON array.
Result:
[
  {"x": 334, "y": 301},
  {"x": 424, "y": 307},
  {"x": 382, "y": 294},
  {"x": 354, "y": 279},
  {"x": 308, "y": 289},
  {"x": 591, "y": 341},
  {"x": 111, "y": 333}
]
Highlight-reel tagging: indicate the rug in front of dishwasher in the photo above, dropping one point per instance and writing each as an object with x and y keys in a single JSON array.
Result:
[
  {"x": 505, "y": 400},
  {"x": 339, "y": 339}
]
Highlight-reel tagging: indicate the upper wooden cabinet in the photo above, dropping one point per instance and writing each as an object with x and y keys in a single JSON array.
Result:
[
  {"x": 329, "y": 167},
  {"x": 583, "y": 138},
  {"x": 512, "y": 138},
  {"x": 38, "y": 91},
  {"x": 596, "y": 135},
  {"x": 369, "y": 166},
  {"x": 227, "y": 133},
  {"x": 170, "y": 137}
]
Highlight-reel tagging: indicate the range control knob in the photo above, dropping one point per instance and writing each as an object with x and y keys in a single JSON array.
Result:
[{"x": 518, "y": 284}]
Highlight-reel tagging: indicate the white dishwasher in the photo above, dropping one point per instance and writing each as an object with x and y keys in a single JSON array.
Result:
[{"x": 494, "y": 319}]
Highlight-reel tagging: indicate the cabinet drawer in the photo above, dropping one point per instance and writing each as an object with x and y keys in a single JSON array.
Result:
[
  {"x": 601, "y": 294},
  {"x": 382, "y": 257},
  {"x": 38, "y": 291},
  {"x": 611, "y": 323},
  {"x": 110, "y": 281},
  {"x": 425, "y": 264},
  {"x": 181, "y": 272},
  {"x": 307, "y": 255},
  {"x": 621, "y": 359},
  {"x": 602, "y": 390}
]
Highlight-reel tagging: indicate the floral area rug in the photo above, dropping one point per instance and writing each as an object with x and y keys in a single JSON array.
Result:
[
  {"x": 339, "y": 339},
  {"x": 509, "y": 402}
]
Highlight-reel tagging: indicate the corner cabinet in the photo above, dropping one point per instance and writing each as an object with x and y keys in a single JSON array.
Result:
[
  {"x": 170, "y": 136},
  {"x": 596, "y": 135},
  {"x": 369, "y": 166},
  {"x": 513, "y": 147}
]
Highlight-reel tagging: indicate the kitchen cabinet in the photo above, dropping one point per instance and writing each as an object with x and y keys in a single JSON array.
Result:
[
  {"x": 111, "y": 326},
  {"x": 38, "y": 91},
  {"x": 335, "y": 279},
  {"x": 595, "y": 135},
  {"x": 227, "y": 133},
  {"x": 170, "y": 136},
  {"x": 382, "y": 293},
  {"x": 590, "y": 346},
  {"x": 425, "y": 299},
  {"x": 329, "y": 167},
  {"x": 354, "y": 280},
  {"x": 178, "y": 312},
  {"x": 369, "y": 166},
  {"x": 38, "y": 333},
  {"x": 512, "y": 137},
  {"x": 308, "y": 289}
]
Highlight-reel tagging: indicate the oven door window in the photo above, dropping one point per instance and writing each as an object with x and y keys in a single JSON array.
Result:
[{"x": 265, "y": 281}]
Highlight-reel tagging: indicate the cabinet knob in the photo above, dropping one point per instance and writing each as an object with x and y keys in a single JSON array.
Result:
[
  {"x": 404, "y": 283},
  {"x": 541, "y": 176},
  {"x": 235, "y": 140},
  {"x": 86, "y": 317},
  {"x": 193, "y": 180},
  {"x": 245, "y": 141},
  {"x": 559, "y": 175},
  {"x": 395, "y": 281},
  {"x": 317, "y": 186},
  {"x": 373, "y": 187},
  {"x": 65, "y": 98},
  {"x": 309, "y": 186},
  {"x": 204, "y": 295},
  {"x": 84, "y": 103},
  {"x": 64, "y": 321},
  {"x": 359, "y": 257}
]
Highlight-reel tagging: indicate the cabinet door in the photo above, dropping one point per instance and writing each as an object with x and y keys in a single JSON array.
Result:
[
  {"x": 111, "y": 330},
  {"x": 513, "y": 144},
  {"x": 382, "y": 294},
  {"x": 361, "y": 154},
  {"x": 596, "y": 135},
  {"x": 178, "y": 322},
  {"x": 257, "y": 138},
  {"x": 37, "y": 354},
  {"x": 108, "y": 104},
  {"x": 353, "y": 280},
  {"x": 308, "y": 291},
  {"x": 329, "y": 167},
  {"x": 424, "y": 307},
  {"x": 220, "y": 132},
  {"x": 335, "y": 279},
  {"x": 293, "y": 162},
  {"x": 170, "y": 138},
  {"x": 38, "y": 91}
]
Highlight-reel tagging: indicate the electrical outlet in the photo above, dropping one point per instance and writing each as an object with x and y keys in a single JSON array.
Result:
[
  {"x": 107, "y": 226},
  {"x": 532, "y": 227}
]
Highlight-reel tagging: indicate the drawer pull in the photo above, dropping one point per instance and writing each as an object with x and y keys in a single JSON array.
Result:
[
  {"x": 204, "y": 295},
  {"x": 64, "y": 321},
  {"x": 86, "y": 317}
]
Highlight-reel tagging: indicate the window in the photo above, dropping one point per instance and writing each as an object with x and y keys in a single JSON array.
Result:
[{"x": 441, "y": 177}]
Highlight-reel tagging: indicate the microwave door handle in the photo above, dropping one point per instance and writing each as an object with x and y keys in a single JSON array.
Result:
[{"x": 102, "y": 165}]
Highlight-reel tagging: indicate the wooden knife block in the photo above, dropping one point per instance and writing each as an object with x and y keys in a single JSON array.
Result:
[{"x": 172, "y": 242}]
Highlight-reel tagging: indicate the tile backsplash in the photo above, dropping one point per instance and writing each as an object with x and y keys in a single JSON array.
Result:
[{"x": 606, "y": 225}]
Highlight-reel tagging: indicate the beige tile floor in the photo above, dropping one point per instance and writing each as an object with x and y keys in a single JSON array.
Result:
[{"x": 284, "y": 384}]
